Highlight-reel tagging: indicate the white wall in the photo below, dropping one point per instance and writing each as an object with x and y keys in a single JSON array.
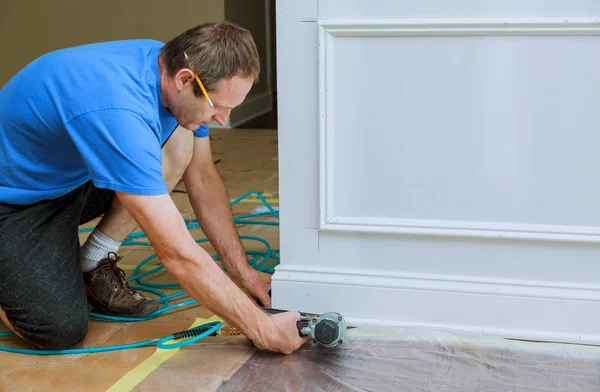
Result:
[{"x": 438, "y": 164}]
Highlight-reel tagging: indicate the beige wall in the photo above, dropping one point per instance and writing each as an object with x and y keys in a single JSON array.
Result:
[{"x": 31, "y": 28}]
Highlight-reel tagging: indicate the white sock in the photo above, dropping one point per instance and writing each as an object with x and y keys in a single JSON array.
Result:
[{"x": 96, "y": 248}]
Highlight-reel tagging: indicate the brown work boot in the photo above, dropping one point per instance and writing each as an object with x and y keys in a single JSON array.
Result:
[{"x": 108, "y": 291}]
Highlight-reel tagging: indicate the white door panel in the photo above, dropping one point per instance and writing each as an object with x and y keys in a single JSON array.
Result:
[{"x": 432, "y": 169}]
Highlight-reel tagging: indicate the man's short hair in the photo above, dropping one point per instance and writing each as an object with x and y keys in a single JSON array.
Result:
[{"x": 217, "y": 51}]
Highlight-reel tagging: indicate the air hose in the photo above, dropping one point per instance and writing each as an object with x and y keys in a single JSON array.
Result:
[
  {"x": 194, "y": 334},
  {"x": 263, "y": 261}
]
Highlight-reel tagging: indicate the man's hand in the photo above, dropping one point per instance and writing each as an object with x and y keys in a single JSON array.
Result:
[
  {"x": 258, "y": 285},
  {"x": 280, "y": 334}
]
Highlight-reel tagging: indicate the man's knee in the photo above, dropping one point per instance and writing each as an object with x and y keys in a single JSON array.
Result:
[{"x": 58, "y": 330}]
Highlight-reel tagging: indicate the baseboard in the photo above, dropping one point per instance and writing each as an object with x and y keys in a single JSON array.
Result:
[
  {"x": 254, "y": 106},
  {"x": 539, "y": 311}
]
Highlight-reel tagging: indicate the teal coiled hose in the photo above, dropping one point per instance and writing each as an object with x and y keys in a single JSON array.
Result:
[{"x": 264, "y": 261}]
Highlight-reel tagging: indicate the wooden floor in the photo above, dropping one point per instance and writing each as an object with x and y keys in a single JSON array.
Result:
[{"x": 246, "y": 160}]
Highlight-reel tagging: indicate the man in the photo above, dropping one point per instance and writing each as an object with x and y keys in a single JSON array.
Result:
[{"x": 109, "y": 129}]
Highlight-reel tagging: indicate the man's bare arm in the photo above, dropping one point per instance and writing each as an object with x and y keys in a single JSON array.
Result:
[
  {"x": 210, "y": 201},
  {"x": 199, "y": 275}
]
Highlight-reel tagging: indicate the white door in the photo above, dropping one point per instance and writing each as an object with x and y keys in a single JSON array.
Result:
[{"x": 440, "y": 164}]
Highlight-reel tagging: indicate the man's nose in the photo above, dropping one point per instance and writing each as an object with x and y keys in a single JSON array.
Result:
[
  {"x": 219, "y": 119},
  {"x": 222, "y": 117}
]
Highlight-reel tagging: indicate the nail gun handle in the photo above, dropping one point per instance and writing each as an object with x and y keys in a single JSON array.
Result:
[{"x": 301, "y": 325}]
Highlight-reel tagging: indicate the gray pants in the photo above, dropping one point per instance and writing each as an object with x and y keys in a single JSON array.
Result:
[{"x": 41, "y": 281}]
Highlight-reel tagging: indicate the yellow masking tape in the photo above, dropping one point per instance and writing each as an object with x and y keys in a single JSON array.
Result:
[
  {"x": 257, "y": 200},
  {"x": 141, "y": 371}
]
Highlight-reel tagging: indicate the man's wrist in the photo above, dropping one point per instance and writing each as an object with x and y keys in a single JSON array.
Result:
[
  {"x": 239, "y": 268},
  {"x": 260, "y": 329}
]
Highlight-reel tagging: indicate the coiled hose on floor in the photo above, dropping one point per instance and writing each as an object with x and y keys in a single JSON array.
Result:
[{"x": 264, "y": 261}]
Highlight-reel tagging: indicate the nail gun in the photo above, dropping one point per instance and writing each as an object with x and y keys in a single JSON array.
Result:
[{"x": 327, "y": 329}]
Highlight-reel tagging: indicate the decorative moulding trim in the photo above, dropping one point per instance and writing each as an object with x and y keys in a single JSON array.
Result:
[
  {"x": 330, "y": 29},
  {"x": 439, "y": 283},
  {"x": 476, "y": 229},
  {"x": 531, "y": 310},
  {"x": 446, "y": 27}
]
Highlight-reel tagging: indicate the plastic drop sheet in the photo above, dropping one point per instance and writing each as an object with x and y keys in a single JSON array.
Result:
[{"x": 386, "y": 359}]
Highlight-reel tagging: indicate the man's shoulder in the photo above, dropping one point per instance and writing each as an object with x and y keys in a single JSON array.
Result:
[
  {"x": 68, "y": 82},
  {"x": 111, "y": 75},
  {"x": 106, "y": 47}
]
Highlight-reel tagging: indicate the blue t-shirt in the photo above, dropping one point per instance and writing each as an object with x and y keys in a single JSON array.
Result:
[{"x": 87, "y": 112}]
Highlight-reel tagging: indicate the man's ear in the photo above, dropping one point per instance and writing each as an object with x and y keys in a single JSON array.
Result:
[{"x": 183, "y": 77}]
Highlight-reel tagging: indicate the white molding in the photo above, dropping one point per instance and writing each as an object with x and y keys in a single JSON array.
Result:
[
  {"x": 254, "y": 106},
  {"x": 459, "y": 27},
  {"x": 440, "y": 283},
  {"x": 325, "y": 127},
  {"x": 477, "y": 305},
  {"x": 473, "y": 229},
  {"x": 328, "y": 220}
]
